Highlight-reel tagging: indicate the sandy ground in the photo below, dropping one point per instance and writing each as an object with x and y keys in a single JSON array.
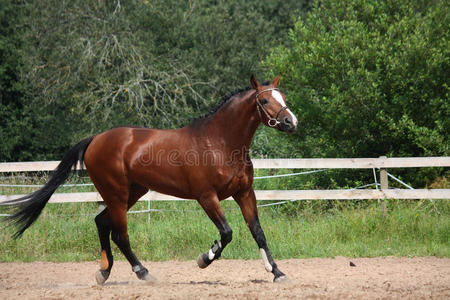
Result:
[{"x": 371, "y": 278}]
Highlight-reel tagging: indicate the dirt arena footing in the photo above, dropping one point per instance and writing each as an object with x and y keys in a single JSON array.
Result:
[{"x": 338, "y": 278}]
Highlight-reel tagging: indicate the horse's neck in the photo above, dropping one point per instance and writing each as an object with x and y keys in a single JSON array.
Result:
[{"x": 236, "y": 122}]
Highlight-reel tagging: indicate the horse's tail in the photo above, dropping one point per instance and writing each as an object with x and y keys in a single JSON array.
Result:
[{"x": 28, "y": 208}]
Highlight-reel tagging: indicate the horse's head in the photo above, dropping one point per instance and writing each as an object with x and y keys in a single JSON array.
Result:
[{"x": 271, "y": 106}]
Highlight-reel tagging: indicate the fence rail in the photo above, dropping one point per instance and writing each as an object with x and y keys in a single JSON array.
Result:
[
  {"x": 283, "y": 163},
  {"x": 381, "y": 163},
  {"x": 274, "y": 195}
]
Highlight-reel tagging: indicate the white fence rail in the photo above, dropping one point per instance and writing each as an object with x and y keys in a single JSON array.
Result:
[
  {"x": 381, "y": 163},
  {"x": 283, "y": 163},
  {"x": 274, "y": 195}
]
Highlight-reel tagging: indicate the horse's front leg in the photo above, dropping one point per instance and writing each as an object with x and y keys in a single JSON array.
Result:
[
  {"x": 210, "y": 203},
  {"x": 247, "y": 202}
]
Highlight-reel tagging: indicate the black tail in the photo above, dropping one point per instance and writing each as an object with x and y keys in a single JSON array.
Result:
[{"x": 29, "y": 208}]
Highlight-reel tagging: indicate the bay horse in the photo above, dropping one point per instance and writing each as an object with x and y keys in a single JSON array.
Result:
[{"x": 207, "y": 160}]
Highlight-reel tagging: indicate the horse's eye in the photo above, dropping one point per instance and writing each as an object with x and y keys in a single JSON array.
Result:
[{"x": 264, "y": 101}]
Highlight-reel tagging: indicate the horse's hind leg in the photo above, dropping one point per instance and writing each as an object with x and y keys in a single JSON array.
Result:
[
  {"x": 120, "y": 233},
  {"x": 211, "y": 205},
  {"x": 120, "y": 237},
  {"x": 104, "y": 228},
  {"x": 113, "y": 220}
]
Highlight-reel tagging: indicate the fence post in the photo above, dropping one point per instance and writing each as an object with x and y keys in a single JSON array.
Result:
[{"x": 384, "y": 186}]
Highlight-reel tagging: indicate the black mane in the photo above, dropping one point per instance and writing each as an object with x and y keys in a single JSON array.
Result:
[{"x": 225, "y": 100}]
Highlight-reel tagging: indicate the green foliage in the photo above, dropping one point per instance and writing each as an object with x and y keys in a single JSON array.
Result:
[
  {"x": 13, "y": 122},
  {"x": 369, "y": 78}
]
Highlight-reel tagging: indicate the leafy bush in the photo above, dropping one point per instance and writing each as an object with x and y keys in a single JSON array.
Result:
[{"x": 369, "y": 78}]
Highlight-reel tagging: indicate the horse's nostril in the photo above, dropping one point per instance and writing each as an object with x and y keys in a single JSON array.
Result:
[{"x": 287, "y": 121}]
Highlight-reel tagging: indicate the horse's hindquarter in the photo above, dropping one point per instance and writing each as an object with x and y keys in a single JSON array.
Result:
[{"x": 104, "y": 156}]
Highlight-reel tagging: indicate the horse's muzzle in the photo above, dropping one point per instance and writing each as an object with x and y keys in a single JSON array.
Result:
[{"x": 287, "y": 124}]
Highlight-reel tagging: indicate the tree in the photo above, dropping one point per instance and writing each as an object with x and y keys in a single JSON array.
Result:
[
  {"x": 14, "y": 125},
  {"x": 369, "y": 78}
]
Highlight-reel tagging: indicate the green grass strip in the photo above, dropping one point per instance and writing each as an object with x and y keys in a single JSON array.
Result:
[{"x": 67, "y": 232}]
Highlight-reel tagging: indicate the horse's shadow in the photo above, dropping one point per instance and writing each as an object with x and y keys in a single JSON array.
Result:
[
  {"x": 206, "y": 282},
  {"x": 203, "y": 282},
  {"x": 117, "y": 283}
]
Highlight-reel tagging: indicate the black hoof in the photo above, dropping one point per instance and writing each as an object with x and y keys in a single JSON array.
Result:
[
  {"x": 203, "y": 261},
  {"x": 281, "y": 279},
  {"x": 144, "y": 275},
  {"x": 101, "y": 276}
]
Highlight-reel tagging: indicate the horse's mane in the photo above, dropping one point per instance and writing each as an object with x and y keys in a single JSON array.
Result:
[{"x": 225, "y": 100}]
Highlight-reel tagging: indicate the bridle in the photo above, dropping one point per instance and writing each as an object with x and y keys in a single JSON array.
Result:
[{"x": 272, "y": 122}]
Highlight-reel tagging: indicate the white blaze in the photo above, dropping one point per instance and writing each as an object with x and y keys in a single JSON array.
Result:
[
  {"x": 277, "y": 96},
  {"x": 294, "y": 118}
]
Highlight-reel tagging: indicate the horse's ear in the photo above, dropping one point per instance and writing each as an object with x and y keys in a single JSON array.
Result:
[
  {"x": 276, "y": 81},
  {"x": 254, "y": 82}
]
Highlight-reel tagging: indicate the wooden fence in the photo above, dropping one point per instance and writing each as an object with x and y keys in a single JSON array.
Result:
[{"x": 381, "y": 163}]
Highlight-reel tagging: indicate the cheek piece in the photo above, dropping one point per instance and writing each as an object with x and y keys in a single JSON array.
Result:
[{"x": 271, "y": 121}]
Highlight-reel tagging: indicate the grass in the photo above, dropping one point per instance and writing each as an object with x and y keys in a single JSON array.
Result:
[
  {"x": 66, "y": 232},
  {"x": 181, "y": 230}
]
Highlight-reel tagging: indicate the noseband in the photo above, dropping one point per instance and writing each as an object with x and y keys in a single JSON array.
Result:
[{"x": 272, "y": 122}]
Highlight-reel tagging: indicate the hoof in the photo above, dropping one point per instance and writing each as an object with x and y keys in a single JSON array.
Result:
[
  {"x": 202, "y": 261},
  {"x": 101, "y": 276},
  {"x": 144, "y": 275},
  {"x": 149, "y": 278},
  {"x": 281, "y": 279}
]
